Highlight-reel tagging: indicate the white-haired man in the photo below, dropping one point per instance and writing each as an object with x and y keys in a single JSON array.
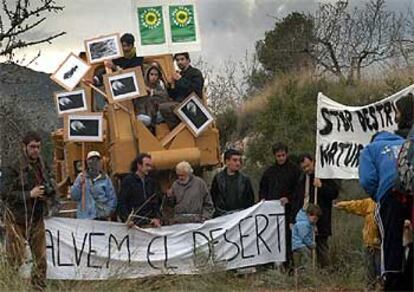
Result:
[{"x": 189, "y": 196}]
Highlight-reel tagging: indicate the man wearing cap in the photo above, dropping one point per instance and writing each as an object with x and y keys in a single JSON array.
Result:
[{"x": 100, "y": 198}]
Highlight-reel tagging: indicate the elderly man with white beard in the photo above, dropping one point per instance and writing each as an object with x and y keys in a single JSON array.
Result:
[{"x": 189, "y": 196}]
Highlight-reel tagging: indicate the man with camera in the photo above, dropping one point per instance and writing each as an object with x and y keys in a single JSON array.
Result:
[{"x": 28, "y": 191}]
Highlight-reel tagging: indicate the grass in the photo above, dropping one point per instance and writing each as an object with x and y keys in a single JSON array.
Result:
[{"x": 346, "y": 274}]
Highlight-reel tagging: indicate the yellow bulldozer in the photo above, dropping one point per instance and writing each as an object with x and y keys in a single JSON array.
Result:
[{"x": 125, "y": 136}]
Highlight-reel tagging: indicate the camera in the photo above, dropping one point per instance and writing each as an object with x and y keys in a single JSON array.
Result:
[{"x": 49, "y": 189}]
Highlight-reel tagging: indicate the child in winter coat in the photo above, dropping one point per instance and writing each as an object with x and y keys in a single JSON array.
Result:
[
  {"x": 303, "y": 235},
  {"x": 366, "y": 208}
]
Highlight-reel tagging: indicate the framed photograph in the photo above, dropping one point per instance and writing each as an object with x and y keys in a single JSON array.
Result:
[
  {"x": 70, "y": 72},
  {"x": 194, "y": 114},
  {"x": 84, "y": 127},
  {"x": 124, "y": 85},
  {"x": 70, "y": 102},
  {"x": 103, "y": 48}
]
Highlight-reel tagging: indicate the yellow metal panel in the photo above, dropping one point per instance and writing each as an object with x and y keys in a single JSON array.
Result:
[
  {"x": 184, "y": 139},
  {"x": 122, "y": 152},
  {"x": 147, "y": 141},
  {"x": 168, "y": 159},
  {"x": 208, "y": 143},
  {"x": 161, "y": 130}
]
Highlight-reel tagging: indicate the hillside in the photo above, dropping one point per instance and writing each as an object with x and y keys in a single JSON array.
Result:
[{"x": 25, "y": 103}]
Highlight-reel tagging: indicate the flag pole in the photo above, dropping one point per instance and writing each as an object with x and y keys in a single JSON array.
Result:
[
  {"x": 314, "y": 234},
  {"x": 83, "y": 178}
]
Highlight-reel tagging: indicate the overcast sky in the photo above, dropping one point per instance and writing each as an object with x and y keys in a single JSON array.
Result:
[{"x": 229, "y": 28}]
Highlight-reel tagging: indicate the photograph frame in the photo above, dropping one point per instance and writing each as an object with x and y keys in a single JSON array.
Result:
[
  {"x": 58, "y": 95},
  {"x": 139, "y": 83},
  {"x": 179, "y": 111},
  {"x": 67, "y": 125},
  {"x": 119, "y": 51},
  {"x": 55, "y": 75}
]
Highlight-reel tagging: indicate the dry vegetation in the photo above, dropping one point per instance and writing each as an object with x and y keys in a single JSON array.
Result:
[
  {"x": 346, "y": 274},
  {"x": 286, "y": 109}
]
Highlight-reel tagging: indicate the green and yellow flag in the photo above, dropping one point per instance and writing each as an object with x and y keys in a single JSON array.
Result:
[
  {"x": 182, "y": 23},
  {"x": 151, "y": 25}
]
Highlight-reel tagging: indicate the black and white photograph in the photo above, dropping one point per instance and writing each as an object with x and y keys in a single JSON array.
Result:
[
  {"x": 70, "y": 72},
  {"x": 70, "y": 102},
  {"x": 84, "y": 128},
  {"x": 124, "y": 85},
  {"x": 194, "y": 114},
  {"x": 103, "y": 48}
]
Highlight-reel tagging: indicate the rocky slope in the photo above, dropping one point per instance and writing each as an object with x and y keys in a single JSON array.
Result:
[{"x": 26, "y": 103}]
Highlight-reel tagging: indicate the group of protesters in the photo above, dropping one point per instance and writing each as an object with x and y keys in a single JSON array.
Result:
[
  {"x": 140, "y": 201},
  {"x": 28, "y": 192},
  {"x": 189, "y": 200},
  {"x": 163, "y": 96}
]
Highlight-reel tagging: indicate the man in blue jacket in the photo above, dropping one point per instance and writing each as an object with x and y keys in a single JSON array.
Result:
[
  {"x": 100, "y": 197},
  {"x": 377, "y": 175}
]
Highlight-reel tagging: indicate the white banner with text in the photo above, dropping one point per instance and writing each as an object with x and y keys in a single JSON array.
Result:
[
  {"x": 98, "y": 250},
  {"x": 343, "y": 131}
]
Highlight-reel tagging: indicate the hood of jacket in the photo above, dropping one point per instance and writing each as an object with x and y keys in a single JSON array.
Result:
[
  {"x": 378, "y": 166},
  {"x": 387, "y": 137},
  {"x": 302, "y": 216}
]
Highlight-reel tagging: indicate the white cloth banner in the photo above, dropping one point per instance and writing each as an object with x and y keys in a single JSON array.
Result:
[
  {"x": 98, "y": 250},
  {"x": 343, "y": 131}
]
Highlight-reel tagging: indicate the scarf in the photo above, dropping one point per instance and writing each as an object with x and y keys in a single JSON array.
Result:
[{"x": 131, "y": 54}]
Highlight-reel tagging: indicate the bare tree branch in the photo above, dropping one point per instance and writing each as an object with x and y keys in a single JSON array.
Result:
[
  {"x": 22, "y": 16},
  {"x": 22, "y": 44},
  {"x": 349, "y": 40}
]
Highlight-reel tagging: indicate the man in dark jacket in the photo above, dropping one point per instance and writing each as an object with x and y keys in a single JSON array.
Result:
[
  {"x": 231, "y": 190},
  {"x": 139, "y": 200},
  {"x": 279, "y": 183},
  {"x": 129, "y": 60},
  {"x": 279, "y": 180},
  {"x": 186, "y": 81},
  {"x": 27, "y": 192},
  {"x": 327, "y": 191}
]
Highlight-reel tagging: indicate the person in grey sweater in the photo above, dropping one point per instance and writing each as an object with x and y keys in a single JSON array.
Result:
[{"x": 189, "y": 196}]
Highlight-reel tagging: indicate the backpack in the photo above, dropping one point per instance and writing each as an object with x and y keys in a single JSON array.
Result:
[{"x": 405, "y": 168}]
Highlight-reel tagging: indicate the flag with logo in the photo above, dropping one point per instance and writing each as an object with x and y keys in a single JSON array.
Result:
[
  {"x": 183, "y": 28},
  {"x": 151, "y": 25}
]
